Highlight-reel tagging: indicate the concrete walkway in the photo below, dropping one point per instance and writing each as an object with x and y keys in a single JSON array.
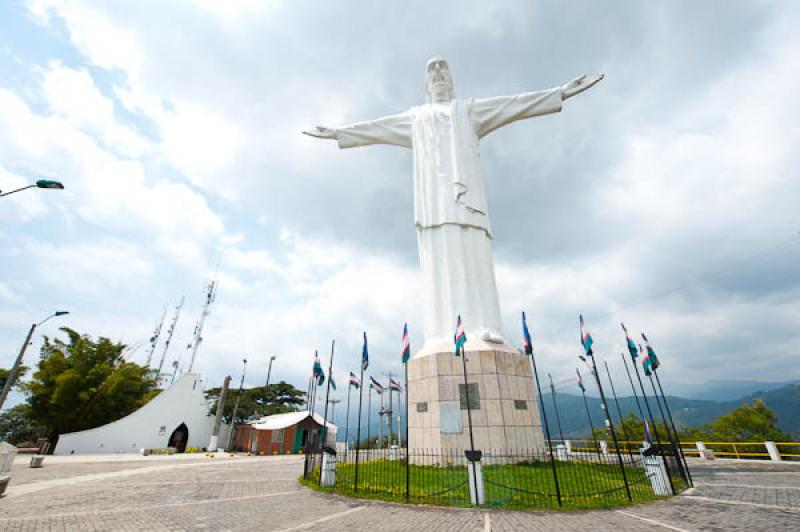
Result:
[{"x": 261, "y": 493}]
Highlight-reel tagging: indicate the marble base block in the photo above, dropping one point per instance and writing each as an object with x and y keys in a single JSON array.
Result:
[{"x": 507, "y": 418}]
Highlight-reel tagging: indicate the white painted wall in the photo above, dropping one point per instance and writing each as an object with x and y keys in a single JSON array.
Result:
[{"x": 151, "y": 426}]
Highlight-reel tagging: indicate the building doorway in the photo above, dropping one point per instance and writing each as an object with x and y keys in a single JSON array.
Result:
[{"x": 179, "y": 438}]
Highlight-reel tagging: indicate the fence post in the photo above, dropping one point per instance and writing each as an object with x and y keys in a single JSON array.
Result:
[{"x": 772, "y": 449}]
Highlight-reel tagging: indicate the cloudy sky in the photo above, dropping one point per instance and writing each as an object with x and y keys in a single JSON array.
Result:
[{"x": 667, "y": 196}]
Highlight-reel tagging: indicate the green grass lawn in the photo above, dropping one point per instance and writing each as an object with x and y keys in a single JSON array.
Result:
[{"x": 513, "y": 486}]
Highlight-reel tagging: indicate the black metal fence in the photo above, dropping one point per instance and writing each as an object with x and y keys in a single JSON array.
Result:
[{"x": 511, "y": 479}]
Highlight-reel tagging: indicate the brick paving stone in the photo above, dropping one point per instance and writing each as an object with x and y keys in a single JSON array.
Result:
[{"x": 262, "y": 494}]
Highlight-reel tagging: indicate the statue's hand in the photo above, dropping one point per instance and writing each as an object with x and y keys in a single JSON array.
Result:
[
  {"x": 321, "y": 132},
  {"x": 580, "y": 84}
]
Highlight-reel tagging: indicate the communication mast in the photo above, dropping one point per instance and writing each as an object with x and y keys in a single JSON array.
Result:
[
  {"x": 154, "y": 338},
  {"x": 197, "y": 338},
  {"x": 170, "y": 332}
]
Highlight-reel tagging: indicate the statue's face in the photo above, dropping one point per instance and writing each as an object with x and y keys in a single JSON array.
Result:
[{"x": 439, "y": 81}]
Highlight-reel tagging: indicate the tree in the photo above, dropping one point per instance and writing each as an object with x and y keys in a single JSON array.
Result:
[
  {"x": 257, "y": 402},
  {"x": 83, "y": 383},
  {"x": 16, "y": 425},
  {"x": 750, "y": 422},
  {"x": 632, "y": 429},
  {"x": 21, "y": 371}
]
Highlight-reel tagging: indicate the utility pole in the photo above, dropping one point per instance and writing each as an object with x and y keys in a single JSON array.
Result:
[
  {"x": 388, "y": 412},
  {"x": 266, "y": 385},
  {"x": 333, "y": 403},
  {"x": 269, "y": 371},
  {"x": 236, "y": 405}
]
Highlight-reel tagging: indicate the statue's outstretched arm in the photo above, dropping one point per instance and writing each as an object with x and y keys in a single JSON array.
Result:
[
  {"x": 580, "y": 84},
  {"x": 393, "y": 129},
  {"x": 489, "y": 114}
]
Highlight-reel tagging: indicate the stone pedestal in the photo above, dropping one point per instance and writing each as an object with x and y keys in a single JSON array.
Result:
[{"x": 507, "y": 414}]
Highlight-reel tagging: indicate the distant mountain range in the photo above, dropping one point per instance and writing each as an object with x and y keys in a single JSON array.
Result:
[
  {"x": 782, "y": 398},
  {"x": 725, "y": 390},
  {"x": 784, "y": 401}
]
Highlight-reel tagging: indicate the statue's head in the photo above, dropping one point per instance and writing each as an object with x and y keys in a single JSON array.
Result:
[{"x": 439, "y": 82}]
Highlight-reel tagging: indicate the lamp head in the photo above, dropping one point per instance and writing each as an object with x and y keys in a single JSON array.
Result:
[
  {"x": 61, "y": 313},
  {"x": 49, "y": 183}
]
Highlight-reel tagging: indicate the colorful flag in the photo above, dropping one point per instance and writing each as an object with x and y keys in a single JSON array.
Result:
[
  {"x": 394, "y": 385},
  {"x": 631, "y": 345},
  {"x": 406, "y": 344},
  {"x": 526, "y": 335},
  {"x": 460, "y": 337},
  {"x": 647, "y": 365},
  {"x": 364, "y": 354},
  {"x": 355, "y": 382},
  {"x": 580, "y": 381},
  {"x": 651, "y": 353},
  {"x": 331, "y": 381},
  {"x": 586, "y": 338},
  {"x": 318, "y": 373},
  {"x": 375, "y": 385}
]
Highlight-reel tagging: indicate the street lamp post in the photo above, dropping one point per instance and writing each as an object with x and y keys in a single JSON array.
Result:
[
  {"x": 41, "y": 183},
  {"x": 236, "y": 406},
  {"x": 12, "y": 375},
  {"x": 269, "y": 372}
]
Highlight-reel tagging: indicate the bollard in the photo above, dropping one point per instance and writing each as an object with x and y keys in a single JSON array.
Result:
[
  {"x": 475, "y": 473},
  {"x": 772, "y": 449},
  {"x": 328, "y": 478},
  {"x": 604, "y": 447},
  {"x": 656, "y": 471},
  {"x": 568, "y": 445},
  {"x": 701, "y": 448},
  {"x": 561, "y": 452}
]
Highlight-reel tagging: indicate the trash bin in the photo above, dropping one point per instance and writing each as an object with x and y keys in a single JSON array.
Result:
[{"x": 36, "y": 461}]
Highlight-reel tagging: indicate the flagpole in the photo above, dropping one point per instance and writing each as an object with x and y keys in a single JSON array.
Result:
[
  {"x": 673, "y": 440},
  {"x": 369, "y": 412},
  {"x": 591, "y": 423},
  {"x": 327, "y": 396},
  {"x": 408, "y": 458},
  {"x": 650, "y": 415},
  {"x": 308, "y": 396},
  {"x": 555, "y": 407},
  {"x": 347, "y": 420},
  {"x": 546, "y": 427},
  {"x": 616, "y": 401},
  {"x": 674, "y": 430},
  {"x": 358, "y": 430},
  {"x": 633, "y": 389},
  {"x": 610, "y": 425}
]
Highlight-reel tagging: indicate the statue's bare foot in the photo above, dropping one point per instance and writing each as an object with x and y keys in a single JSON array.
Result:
[{"x": 490, "y": 336}]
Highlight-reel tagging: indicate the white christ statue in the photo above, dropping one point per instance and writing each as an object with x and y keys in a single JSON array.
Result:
[{"x": 450, "y": 212}]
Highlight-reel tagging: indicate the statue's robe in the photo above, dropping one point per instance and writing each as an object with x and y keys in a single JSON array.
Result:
[{"x": 450, "y": 212}]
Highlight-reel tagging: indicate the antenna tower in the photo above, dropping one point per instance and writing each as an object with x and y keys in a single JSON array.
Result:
[
  {"x": 197, "y": 339},
  {"x": 170, "y": 332},
  {"x": 154, "y": 338}
]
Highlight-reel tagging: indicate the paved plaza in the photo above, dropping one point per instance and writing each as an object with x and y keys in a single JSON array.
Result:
[{"x": 195, "y": 492}]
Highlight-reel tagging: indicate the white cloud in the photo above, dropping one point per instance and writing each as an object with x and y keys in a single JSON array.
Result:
[{"x": 72, "y": 94}]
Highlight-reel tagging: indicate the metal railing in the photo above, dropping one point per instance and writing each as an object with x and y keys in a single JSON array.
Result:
[
  {"x": 511, "y": 479},
  {"x": 753, "y": 450}
]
